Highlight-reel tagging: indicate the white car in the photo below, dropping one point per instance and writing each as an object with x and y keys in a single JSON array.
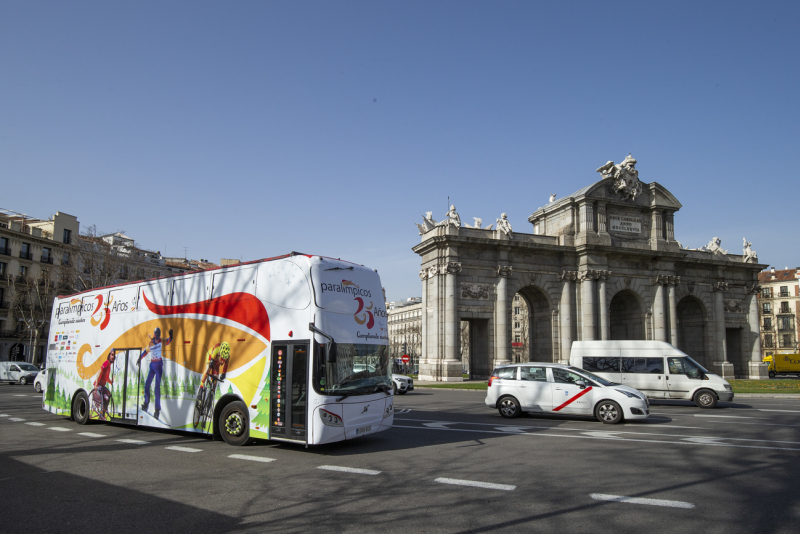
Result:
[
  {"x": 40, "y": 384},
  {"x": 560, "y": 389},
  {"x": 402, "y": 384}
]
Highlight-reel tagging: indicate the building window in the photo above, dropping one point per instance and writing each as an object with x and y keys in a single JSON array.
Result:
[
  {"x": 768, "y": 341},
  {"x": 516, "y": 325},
  {"x": 786, "y": 341},
  {"x": 23, "y": 270},
  {"x": 766, "y": 307},
  {"x": 47, "y": 255},
  {"x": 517, "y": 339},
  {"x": 516, "y": 310},
  {"x": 767, "y": 323},
  {"x": 67, "y": 236},
  {"x": 765, "y": 292},
  {"x": 785, "y": 307},
  {"x": 25, "y": 251},
  {"x": 65, "y": 258},
  {"x": 784, "y": 291},
  {"x": 516, "y": 298},
  {"x": 785, "y": 323},
  {"x": 2, "y": 269},
  {"x": 4, "y": 249}
]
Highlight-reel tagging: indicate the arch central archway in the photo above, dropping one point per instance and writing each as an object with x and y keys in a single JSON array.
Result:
[
  {"x": 627, "y": 316},
  {"x": 536, "y": 328}
]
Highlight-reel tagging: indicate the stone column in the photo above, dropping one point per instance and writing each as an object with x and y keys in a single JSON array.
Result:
[
  {"x": 758, "y": 369},
  {"x": 659, "y": 324},
  {"x": 566, "y": 311},
  {"x": 669, "y": 219},
  {"x": 603, "y": 305},
  {"x": 587, "y": 304},
  {"x": 724, "y": 367},
  {"x": 451, "y": 368},
  {"x": 673, "y": 312},
  {"x": 501, "y": 310},
  {"x": 429, "y": 367},
  {"x": 423, "y": 275}
]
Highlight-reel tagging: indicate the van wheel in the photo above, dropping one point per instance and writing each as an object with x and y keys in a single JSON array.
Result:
[
  {"x": 509, "y": 407},
  {"x": 80, "y": 408},
  {"x": 23, "y": 381},
  {"x": 705, "y": 399},
  {"x": 234, "y": 424},
  {"x": 608, "y": 412},
  {"x": 772, "y": 374}
]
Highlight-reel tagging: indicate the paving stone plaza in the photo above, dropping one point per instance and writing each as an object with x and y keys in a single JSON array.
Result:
[{"x": 602, "y": 263}]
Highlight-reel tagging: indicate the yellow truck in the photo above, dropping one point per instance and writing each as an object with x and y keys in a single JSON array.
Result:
[{"x": 783, "y": 364}]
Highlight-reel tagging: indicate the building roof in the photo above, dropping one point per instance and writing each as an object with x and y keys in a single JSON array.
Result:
[{"x": 783, "y": 275}]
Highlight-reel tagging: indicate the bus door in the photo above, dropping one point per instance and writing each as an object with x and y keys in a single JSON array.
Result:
[
  {"x": 125, "y": 389},
  {"x": 289, "y": 390}
]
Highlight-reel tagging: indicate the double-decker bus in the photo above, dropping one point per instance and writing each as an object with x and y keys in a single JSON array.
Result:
[{"x": 292, "y": 348}]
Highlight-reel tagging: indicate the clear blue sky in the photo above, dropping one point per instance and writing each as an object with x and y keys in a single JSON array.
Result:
[{"x": 250, "y": 129}]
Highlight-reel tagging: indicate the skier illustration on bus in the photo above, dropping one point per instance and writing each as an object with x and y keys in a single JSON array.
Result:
[{"x": 155, "y": 349}]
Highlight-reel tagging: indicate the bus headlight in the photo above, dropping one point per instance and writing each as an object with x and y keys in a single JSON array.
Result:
[
  {"x": 330, "y": 419},
  {"x": 389, "y": 411}
]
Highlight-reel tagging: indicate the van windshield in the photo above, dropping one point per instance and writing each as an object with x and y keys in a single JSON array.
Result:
[{"x": 601, "y": 381}]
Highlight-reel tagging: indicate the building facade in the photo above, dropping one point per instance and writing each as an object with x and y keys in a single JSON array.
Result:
[
  {"x": 779, "y": 309},
  {"x": 602, "y": 263},
  {"x": 405, "y": 327}
]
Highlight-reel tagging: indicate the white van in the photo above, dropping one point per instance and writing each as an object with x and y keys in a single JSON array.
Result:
[
  {"x": 21, "y": 372},
  {"x": 655, "y": 368}
]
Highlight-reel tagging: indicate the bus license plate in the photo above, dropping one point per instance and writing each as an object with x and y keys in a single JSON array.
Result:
[{"x": 364, "y": 429}]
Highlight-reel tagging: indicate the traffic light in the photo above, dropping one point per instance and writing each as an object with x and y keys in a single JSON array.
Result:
[{"x": 405, "y": 348}]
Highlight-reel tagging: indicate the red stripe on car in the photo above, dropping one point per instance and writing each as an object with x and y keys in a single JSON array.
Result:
[{"x": 573, "y": 399}]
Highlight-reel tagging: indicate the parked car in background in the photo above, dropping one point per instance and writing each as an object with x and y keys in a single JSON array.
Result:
[{"x": 21, "y": 372}]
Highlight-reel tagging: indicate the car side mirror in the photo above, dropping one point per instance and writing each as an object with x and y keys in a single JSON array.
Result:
[{"x": 581, "y": 384}]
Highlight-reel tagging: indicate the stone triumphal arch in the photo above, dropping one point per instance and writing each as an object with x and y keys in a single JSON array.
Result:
[{"x": 602, "y": 263}]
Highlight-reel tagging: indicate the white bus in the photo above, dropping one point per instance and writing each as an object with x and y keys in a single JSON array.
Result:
[{"x": 293, "y": 348}]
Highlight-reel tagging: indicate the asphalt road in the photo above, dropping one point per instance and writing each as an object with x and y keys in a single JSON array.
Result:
[{"x": 449, "y": 465}]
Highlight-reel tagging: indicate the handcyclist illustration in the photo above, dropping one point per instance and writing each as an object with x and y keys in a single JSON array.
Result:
[
  {"x": 101, "y": 394},
  {"x": 156, "y": 368},
  {"x": 216, "y": 368}
]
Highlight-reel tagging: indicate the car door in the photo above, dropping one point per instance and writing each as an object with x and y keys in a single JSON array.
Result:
[
  {"x": 568, "y": 396},
  {"x": 13, "y": 373},
  {"x": 535, "y": 391}
]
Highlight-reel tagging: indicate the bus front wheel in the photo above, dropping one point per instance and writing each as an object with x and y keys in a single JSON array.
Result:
[
  {"x": 234, "y": 425},
  {"x": 80, "y": 408}
]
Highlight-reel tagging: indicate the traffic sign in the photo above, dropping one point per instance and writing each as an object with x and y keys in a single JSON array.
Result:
[{"x": 405, "y": 358}]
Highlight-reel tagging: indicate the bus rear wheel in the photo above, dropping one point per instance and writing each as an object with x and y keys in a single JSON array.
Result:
[{"x": 234, "y": 424}]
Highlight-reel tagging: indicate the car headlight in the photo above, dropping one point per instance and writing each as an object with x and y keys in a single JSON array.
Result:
[
  {"x": 629, "y": 394},
  {"x": 728, "y": 387},
  {"x": 330, "y": 419}
]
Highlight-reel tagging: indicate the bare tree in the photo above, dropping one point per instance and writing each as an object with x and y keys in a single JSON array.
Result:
[
  {"x": 95, "y": 263},
  {"x": 31, "y": 302}
]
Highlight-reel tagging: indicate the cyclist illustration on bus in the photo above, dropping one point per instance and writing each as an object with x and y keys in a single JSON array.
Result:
[
  {"x": 154, "y": 349},
  {"x": 218, "y": 359},
  {"x": 100, "y": 396}
]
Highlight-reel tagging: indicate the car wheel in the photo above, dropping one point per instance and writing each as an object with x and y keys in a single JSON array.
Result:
[
  {"x": 80, "y": 408},
  {"x": 509, "y": 407},
  {"x": 608, "y": 412},
  {"x": 772, "y": 374},
  {"x": 705, "y": 398},
  {"x": 38, "y": 387},
  {"x": 23, "y": 381},
  {"x": 394, "y": 389},
  {"x": 234, "y": 424}
]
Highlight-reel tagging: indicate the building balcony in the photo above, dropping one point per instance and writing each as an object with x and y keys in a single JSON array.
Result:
[
  {"x": 26, "y": 256},
  {"x": 4, "y": 305},
  {"x": 5, "y": 251},
  {"x": 48, "y": 259}
]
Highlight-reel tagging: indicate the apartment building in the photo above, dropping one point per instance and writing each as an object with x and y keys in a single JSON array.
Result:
[
  {"x": 779, "y": 309},
  {"x": 405, "y": 327}
]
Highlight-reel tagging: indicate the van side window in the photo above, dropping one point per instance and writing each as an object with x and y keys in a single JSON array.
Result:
[
  {"x": 675, "y": 366},
  {"x": 601, "y": 365},
  {"x": 643, "y": 365},
  {"x": 538, "y": 374},
  {"x": 506, "y": 373},
  {"x": 655, "y": 366}
]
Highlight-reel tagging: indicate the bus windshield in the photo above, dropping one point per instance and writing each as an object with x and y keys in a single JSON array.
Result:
[{"x": 359, "y": 370}]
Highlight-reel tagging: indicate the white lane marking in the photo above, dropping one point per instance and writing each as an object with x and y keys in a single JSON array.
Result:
[
  {"x": 59, "y": 429},
  {"x": 630, "y": 440},
  {"x": 601, "y": 434},
  {"x": 182, "y": 449},
  {"x": 784, "y": 411},
  {"x": 704, "y": 440},
  {"x": 741, "y": 423},
  {"x": 3, "y": 415},
  {"x": 475, "y": 484},
  {"x": 438, "y": 425},
  {"x": 133, "y": 441},
  {"x": 251, "y": 458},
  {"x": 510, "y": 429},
  {"x": 725, "y": 416},
  {"x": 639, "y": 500},
  {"x": 15, "y": 419},
  {"x": 91, "y": 435},
  {"x": 349, "y": 470},
  {"x": 39, "y": 396},
  {"x": 35, "y": 424},
  {"x": 18, "y": 395}
]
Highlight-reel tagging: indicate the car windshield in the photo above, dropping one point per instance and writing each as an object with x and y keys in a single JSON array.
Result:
[
  {"x": 27, "y": 367},
  {"x": 601, "y": 381},
  {"x": 358, "y": 369}
]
